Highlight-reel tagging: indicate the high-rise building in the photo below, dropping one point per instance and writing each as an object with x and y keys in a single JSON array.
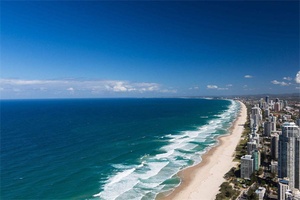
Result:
[
  {"x": 288, "y": 154},
  {"x": 283, "y": 187},
  {"x": 246, "y": 166},
  {"x": 267, "y": 128},
  {"x": 256, "y": 116},
  {"x": 262, "y": 104},
  {"x": 277, "y": 107},
  {"x": 267, "y": 99},
  {"x": 251, "y": 146},
  {"x": 256, "y": 159},
  {"x": 281, "y": 104},
  {"x": 273, "y": 122},
  {"x": 274, "y": 166},
  {"x": 267, "y": 112},
  {"x": 298, "y": 122},
  {"x": 285, "y": 103},
  {"x": 274, "y": 145}
]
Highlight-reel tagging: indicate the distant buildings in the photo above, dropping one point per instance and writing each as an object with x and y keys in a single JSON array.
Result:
[
  {"x": 277, "y": 107},
  {"x": 282, "y": 144},
  {"x": 267, "y": 100}
]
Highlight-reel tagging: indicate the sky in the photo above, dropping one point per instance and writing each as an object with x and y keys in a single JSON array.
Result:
[{"x": 95, "y": 49}]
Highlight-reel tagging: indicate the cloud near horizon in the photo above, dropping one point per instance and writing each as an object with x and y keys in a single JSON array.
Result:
[
  {"x": 215, "y": 87},
  {"x": 287, "y": 78},
  {"x": 248, "y": 76},
  {"x": 297, "y": 78},
  {"x": 75, "y": 85},
  {"x": 275, "y": 82}
]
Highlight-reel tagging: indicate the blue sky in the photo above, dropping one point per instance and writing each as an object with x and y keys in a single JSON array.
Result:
[{"x": 71, "y": 49}]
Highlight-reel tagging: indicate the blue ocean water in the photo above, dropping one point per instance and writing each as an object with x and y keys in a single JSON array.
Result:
[{"x": 104, "y": 148}]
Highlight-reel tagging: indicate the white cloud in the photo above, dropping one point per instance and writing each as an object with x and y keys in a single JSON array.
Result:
[
  {"x": 229, "y": 85},
  {"x": 297, "y": 79},
  {"x": 70, "y": 89},
  {"x": 287, "y": 78},
  {"x": 212, "y": 87},
  {"x": 275, "y": 82},
  {"x": 27, "y": 82},
  {"x": 215, "y": 87},
  {"x": 92, "y": 86},
  {"x": 248, "y": 76}
]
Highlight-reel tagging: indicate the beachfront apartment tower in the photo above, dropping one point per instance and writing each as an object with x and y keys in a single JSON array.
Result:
[
  {"x": 255, "y": 117},
  {"x": 289, "y": 154},
  {"x": 247, "y": 164}
]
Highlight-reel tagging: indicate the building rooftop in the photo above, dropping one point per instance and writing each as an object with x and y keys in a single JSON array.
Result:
[
  {"x": 284, "y": 181},
  {"x": 292, "y": 124}
]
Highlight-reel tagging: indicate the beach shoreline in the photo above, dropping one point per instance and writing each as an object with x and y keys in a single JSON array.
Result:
[{"x": 203, "y": 180}]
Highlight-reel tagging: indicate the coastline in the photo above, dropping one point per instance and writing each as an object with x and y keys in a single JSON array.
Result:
[{"x": 202, "y": 181}]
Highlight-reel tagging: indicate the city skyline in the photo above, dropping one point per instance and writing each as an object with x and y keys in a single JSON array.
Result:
[{"x": 148, "y": 49}]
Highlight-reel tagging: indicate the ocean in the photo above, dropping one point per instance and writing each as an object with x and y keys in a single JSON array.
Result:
[{"x": 105, "y": 148}]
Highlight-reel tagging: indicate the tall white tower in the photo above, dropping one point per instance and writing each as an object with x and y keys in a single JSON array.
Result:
[{"x": 288, "y": 154}]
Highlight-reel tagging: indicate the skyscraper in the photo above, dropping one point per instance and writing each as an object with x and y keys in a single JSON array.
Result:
[
  {"x": 273, "y": 122},
  {"x": 256, "y": 159},
  {"x": 246, "y": 166},
  {"x": 267, "y": 128},
  {"x": 277, "y": 107},
  {"x": 274, "y": 146},
  {"x": 267, "y": 99},
  {"x": 283, "y": 187},
  {"x": 288, "y": 154},
  {"x": 255, "y": 117}
]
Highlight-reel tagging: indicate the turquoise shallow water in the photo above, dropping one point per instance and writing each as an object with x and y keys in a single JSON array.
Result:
[{"x": 104, "y": 148}]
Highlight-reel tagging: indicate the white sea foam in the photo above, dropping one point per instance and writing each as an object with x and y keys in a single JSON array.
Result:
[
  {"x": 153, "y": 169},
  {"x": 147, "y": 179},
  {"x": 120, "y": 176}
]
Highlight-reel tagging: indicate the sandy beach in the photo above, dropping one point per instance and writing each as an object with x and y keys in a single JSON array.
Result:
[{"x": 203, "y": 180}]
